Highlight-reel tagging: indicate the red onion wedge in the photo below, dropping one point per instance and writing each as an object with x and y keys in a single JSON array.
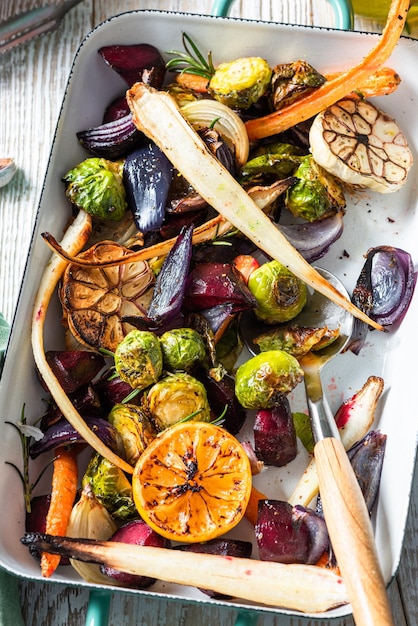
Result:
[
  {"x": 313, "y": 239},
  {"x": 383, "y": 291}
]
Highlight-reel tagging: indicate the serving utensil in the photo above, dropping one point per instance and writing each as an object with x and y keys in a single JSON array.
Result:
[
  {"x": 25, "y": 26},
  {"x": 344, "y": 508}
]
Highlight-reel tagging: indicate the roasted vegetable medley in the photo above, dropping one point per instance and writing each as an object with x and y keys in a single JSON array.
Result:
[{"x": 153, "y": 278}]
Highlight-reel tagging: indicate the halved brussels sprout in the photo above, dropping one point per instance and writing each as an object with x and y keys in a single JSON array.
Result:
[
  {"x": 290, "y": 81},
  {"x": 138, "y": 359},
  {"x": 317, "y": 193},
  {"x": 134, "y": 428},
  {"x": 297, "y": 340},
  {"x": 279, "y": 293},
  {"x": 182, "y": 348},
  {"x": 240, "y": 83},
  {"x": 176, "y": 397},
  {"x": 110, "y": 486},
  {"x": 262, "y": 380}
]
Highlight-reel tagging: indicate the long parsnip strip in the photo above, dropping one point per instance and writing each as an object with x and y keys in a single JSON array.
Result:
[
  {"x": 338, "y": 87},
  {"x": 303, "y": 588},
  {"x": 156, "y": 114},
  {"x": 74, "y": 239}
]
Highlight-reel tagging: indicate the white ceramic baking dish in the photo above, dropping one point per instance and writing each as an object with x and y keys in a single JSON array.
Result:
[{"x": 371, "y": 220}]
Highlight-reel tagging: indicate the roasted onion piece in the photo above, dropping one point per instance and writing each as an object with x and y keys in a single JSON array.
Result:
[
  {"x": 147, "y": 176},
  {"x": 112, "y": 140},
  {"x": 313, "y": 239},
  {"x": 384, "y": 290}
]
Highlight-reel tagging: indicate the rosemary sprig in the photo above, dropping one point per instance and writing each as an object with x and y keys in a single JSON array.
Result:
[
  {"x": 24, "y": 431},
  {"x": 191, "y": 61}
]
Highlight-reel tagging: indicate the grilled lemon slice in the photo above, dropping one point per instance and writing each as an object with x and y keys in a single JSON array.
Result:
[
  {"x": 193, "y": 482},
  {"x": 361, "y": 145}
]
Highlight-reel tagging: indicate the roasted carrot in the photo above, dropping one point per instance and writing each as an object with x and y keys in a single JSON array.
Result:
[
  {"x": 192, "y": 81},
  {"x": 246, "y": 264},
  {"x": 63, "y": 493},
  {"x": 335, "y": 89},
  {"x": 251, "y": 512},
  {"x": 380, "y": 83}
]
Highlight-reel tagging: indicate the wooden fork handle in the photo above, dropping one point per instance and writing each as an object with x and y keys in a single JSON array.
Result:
[{"x": 351, "y": 534}]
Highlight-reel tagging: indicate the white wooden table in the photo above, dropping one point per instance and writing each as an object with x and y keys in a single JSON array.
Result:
[{"x": 32, "y": 82}]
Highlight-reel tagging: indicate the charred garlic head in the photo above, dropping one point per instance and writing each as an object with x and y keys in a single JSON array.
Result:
[{"x": 361, "y": 145}]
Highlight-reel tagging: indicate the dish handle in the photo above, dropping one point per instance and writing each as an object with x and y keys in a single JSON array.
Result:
[
  {"x": 98, "y": 608},
  {"x": 99, "y": 600},
  {"x": 343, "y": 12}
]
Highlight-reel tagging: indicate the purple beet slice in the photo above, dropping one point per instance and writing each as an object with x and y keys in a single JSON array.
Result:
[
  {"x": 136, "y": 532},
  {"x": 287, "y": 534},
  {"x": 281, "y": 537},
  {"x": 74, "y": 368},
  {"x": 274, "y": 434},
  {"x": 135, "y": 62}
]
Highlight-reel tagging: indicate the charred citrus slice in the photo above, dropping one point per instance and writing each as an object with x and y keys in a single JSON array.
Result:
[
  {"x": 193, "y": 482},
  {"x": 361, "y": 145},
  {"x": 96, "y": 299}
]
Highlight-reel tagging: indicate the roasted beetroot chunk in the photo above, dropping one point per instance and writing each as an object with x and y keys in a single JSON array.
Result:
[
  {"x": 136, "y": 533},
  {"x": 287, "y": 534},
  {"x": 74, "y": 368},
  {"x": 274, "y": 434},
  {"x": 36, "y": 522},
  {"x": 221, "y": 547},
  {"x": 111, "y": 391},
  {"x": 135, "y": 63},
  {"x": 221, "y": 394},
  {"x": 117, "y": 109},
  {"x": 213, "y": 284}
]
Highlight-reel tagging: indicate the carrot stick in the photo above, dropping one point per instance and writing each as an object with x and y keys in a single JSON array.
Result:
[
  {"x": 251, "y": 512},
  {"x": 63, "y": 493},
  {"x": 192, "y": 81},
  {"x": 380, "y": 83},
  {"x": 338, "y": 87}
]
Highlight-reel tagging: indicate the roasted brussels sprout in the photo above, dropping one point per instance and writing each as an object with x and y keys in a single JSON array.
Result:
[
  {"x": 139, "y": 359},
  {"x": 273, "y": 160},
  {"x": 134, "y": 428},
  {"x": 96, "y": 186},
  {"x": 240, "y": 83},
  {"x": 182, "y": 348},
  {"x": 262, "y": 380},
  {"x": 297, "y": 340},
  {"x": 290, "y": 81},
  {"x": 176, "y": 397},
  {"x": 280, "y": 294},
  {"x": 110, "y": 486},
  {"x": 317, "y": 193}
]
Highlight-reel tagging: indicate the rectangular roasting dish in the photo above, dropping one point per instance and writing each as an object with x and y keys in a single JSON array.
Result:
[{"x": 371, "y": 219}]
